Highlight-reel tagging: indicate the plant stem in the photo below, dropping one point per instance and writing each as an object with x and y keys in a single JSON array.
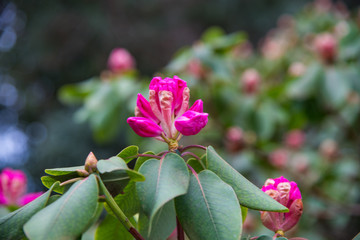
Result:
[
  {"x": 195, "y": 156},
  {"x": 192, "y": 146},
  {"x": 118, "y": 212},
  {"x": 71, "y": 181},
  {"x": 148, "y": 155},
  {"x": 180, "y": 230}
]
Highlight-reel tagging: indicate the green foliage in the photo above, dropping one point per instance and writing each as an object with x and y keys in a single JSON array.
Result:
[
  {"x": 129, "y": 153},
  {"x": 111, "y": 229},
  {"x": 67, "y": 217},
  {"x": 248, "y": 194},
  {"x": 165, "y": 180},
  {"x": 11, "y": 225},
  {"x": 205, "y": 215}
]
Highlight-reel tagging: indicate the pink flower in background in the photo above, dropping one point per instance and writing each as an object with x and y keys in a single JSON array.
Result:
[
  {"x": 288, "y": 194},
  {"x": 279, "y": 158},
  {"x": 13, "y": 184},
  {"x": 167, "y": 112},
  {"x": 250, "y": 81},
  {"x": 234, "y": 139},
  {"x": 120, "y": 60},
  {"x": 295, "y": 139},
  {"x": 326, "y": 46}
]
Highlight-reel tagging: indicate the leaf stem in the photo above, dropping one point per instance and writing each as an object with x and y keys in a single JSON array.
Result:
[
  {"x": 192, "y": 146},
  {"x": 71, "y": 181},
  {"x": 149, "y": 155},
  {"x": 118, "y": 212},
  {"x": 195, "y": 156}
]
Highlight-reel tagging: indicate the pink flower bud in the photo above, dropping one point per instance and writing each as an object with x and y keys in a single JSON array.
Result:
[
  {"x": 326, "y": 47},
  {"x": 295, "y": 139},
  {"x": 250, "y": 81},
  {"x": 234, "y": 139},
  {"x": 297, "y": 69},
  {"x": 120, "y": 60},
  {"x": 191, "y": 122},
  {"x": 144, "y": 127},
  {"x": 197, "y": 106},
  {"x": 279, "y": 158},
  {"x": 12, "y": 185},
  {"x": 288, "y": 194},
  {"x": 29, "y": 197},
  {"x": 329, "y": 149}
]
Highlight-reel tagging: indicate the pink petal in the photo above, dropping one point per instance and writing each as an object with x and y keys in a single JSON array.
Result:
[
  {"x": 191, "y": 122},
  {"x": 145, "y": 109},
  {"x": 293, "y": 216},
  {"x": 29, "y": 197},
  {"x": 197, "y": 106},
  {"x": 144, "y": 127}
]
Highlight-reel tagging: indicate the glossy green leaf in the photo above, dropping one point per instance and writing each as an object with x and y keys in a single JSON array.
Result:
[
  {"x": 308, "y": 84},
  {"x": 196, "y": 165},
  {"x": 129, "y": 153},
  {"x": 210, "y": 209},
  {"x": 48, "y": 181},
  {"x": 11, "y": 225},
  {"x": 248, "y": 194},
  {"x": 128, "y": 202},
  {"x": 67, "y": 217},
  {"x": 165, "y": 180},
  {"x": 64, "y": 171},
  {"x": 115, "y": 169},
  {"x": 111, "y": 229},
  {"x": 141, "y": 160},
  {"x": 335, "y": 88},
  {"x": 163, "y": 224},
  {"x": 244, "y": 211}
]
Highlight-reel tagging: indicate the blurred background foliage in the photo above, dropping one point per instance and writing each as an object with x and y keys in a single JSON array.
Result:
[{"x": 282, "y": 91}]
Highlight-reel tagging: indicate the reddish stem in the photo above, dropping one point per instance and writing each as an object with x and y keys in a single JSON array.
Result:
[
  {"x": 180, "y": 230},
  {"x": 136, "y": 234}
]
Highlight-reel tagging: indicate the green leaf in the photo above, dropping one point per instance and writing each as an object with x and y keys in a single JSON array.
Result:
[
  {"x": 67, "y": 217},
  {"x": 165, "y": 180},
  {"x": 248, "y": 194},
  {"x": 195, "y": 164},
  {"x": 64, "y": 171},
  {"x": 128, "y": 202},
  {"x": 11, "y": 225},
  {"x": 244, "y": 211},
  {"x": 141, "y": 160},
  {"x": 163, "y": 224},
  {"x": 264, "y": 237},
  {"x": 48, "y": 181},
  {"x": 129, "y": 153},
  {"x": 335, "y": 88},
  {"x": 115, "y": 169},
  {"x": 205, "y": 213},
  {"x": 308, "y": 84},
  {"x": 111, "y": 229}
]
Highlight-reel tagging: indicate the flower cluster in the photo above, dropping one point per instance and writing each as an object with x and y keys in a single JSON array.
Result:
[
  {"x": 167, "y": 114},
  {"x": 288, "y": 194},
  {"x": 13, "y": 187}
]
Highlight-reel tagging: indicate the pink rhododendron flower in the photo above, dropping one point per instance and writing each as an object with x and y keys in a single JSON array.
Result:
[
  {"x": 279, "y": 158},
  {"x": 13, "y": 187},
  {"x": 167, "y": 112},
  {"x": 288, "y": 194},
  {"x": 29, "y": 198},
  {"x": 295, "y": 139},
  {"x": 326, "y": 46},
  {"x": 120, "y": 60},
  {"x": 250, "y": 81}
]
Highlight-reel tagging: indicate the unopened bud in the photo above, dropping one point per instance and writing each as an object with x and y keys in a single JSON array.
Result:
[
  {"x": 297, "y": 69},
  {"x": 120, "y": 60},
  {"x": 250, "y": 81},
  {"x": 295, "y": 139},
  {"x": 234, "y": 139},
  {"x": 90, "y": 163},
  {"x": 82, "y": 172},
  {"x": 279, "y": 158},
  {"x": 329, "y": 149},
  {"x": 326, "y": 47}
]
